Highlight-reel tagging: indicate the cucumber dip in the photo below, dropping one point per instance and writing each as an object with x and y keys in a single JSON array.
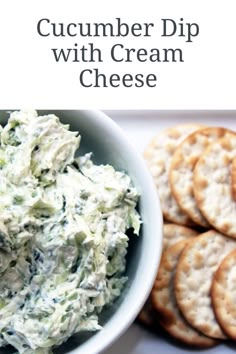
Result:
[{"x": 63, "y": 241}]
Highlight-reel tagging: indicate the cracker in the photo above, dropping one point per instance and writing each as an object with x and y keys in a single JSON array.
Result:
[
  {"x": 158, "y": 155},
  {"x": 173, "y": 233},
  {"x": 164, "y": 302},
  {"x": 223, "y": 294},
  {"x": 182, "y": 166},
  {"x": 233, "y": 179},
  {"x": 147, "y": 315},
  {"x": 212, "y": 184},
  {"x": 195, "y": 270}
]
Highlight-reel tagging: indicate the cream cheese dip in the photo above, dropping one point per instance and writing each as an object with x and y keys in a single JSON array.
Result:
[{"x": 63, "y": 241}]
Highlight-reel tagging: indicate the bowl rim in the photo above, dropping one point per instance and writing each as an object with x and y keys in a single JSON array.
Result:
[{"x": 115, "y": 328}]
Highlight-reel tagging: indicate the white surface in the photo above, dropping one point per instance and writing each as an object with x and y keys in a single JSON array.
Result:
[
  {"x": 30, "y": 77},
  {"x": 140, "y": 126}
]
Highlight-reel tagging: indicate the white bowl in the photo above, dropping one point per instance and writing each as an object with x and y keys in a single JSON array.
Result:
[{"x": 108, "y": 143}]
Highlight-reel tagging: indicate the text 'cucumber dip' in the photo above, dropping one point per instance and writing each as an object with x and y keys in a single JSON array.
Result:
[{"x": 62, "y": 234}]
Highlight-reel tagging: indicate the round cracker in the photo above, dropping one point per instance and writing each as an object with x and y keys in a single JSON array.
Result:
[
  {"x": 147, "y": 315},
  {"x": 173, "y": 233},
  {"x": 158, "y": 155},
  {"x": 195, "y": 270},
  {"x": 223, "y": 293},
  {"x": 164, "y": 301},
  {"x": 212, "y": 184},
  {"x": 182, "y": 166}
]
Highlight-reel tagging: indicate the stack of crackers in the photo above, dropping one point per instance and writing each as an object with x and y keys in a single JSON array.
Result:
[{"x": 194, "y": 295}]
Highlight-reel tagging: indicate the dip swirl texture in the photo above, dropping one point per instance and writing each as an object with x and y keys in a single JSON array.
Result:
[{"x": 63, "y": 242}]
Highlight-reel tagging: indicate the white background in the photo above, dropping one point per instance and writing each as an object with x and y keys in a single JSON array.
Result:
[{"x": 29, "y": 76}]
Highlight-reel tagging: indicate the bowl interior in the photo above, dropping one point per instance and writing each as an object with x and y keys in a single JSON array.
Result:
[{"x": 102, "y": 137}]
